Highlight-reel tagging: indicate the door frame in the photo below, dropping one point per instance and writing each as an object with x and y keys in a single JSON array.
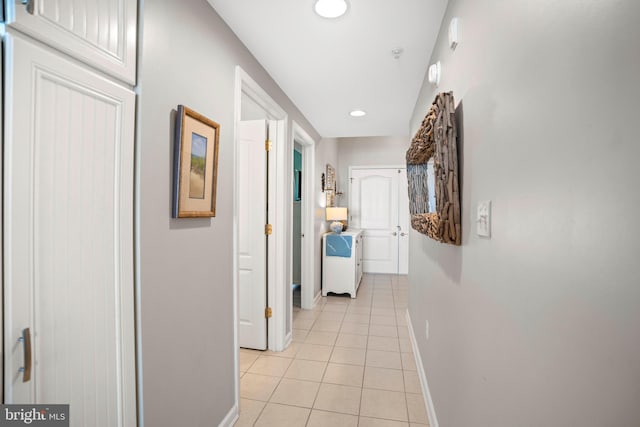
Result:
[
  {"x": 279, "y": 214},
  {"x": 299, "y": 135}
]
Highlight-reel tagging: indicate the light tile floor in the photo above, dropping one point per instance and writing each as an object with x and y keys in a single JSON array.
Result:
[{"x": 350, "y": 365}]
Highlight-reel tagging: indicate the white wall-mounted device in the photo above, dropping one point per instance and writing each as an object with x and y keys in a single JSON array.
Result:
[
  {"x": 434, "y": 73},
  {"x": 484, "y": 218},
  {"x": 453, "y": 33}
]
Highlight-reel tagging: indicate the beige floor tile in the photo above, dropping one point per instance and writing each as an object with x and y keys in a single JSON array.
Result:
[
  {"x": 383, "y": 320},
  {"x": 383, "y": 359},
  {"x": 403, "y": 332},
  {"x": 326, "y": 326},
  {"x": 322, "y": 338},
  {"x": 384, "y": 404},
  {"x": 354, "y": 328},
  {"x": 282, "y": 416},
  {"x": 409, "y": 362},
  {"x": 383, "y": 379},
  {"x": 412, "y": 382},
  {"x": 384, "y": 312},
  {"x": 418, "y": 425},
  {"x": 383, "y": 331},
  {"x": 338, "y": 308},
  {"x": 295, "y": 393},
  {"x": 363, "y": 309},
  {"x": 317, "y": 352},
  {"x": 299, "y": 335},
  {"x": 307, "y": 370},
  {"x": 357, "y": 318},
  {"x": 249, "y": 412},
  {"x": 405, "y": 345},
  {"x": 377, "y": 422},
  {"x": 331, "y": 316},
  {"x": 383, "y": 343},
  {"x": 303, "y": 323},
  {"x": 268, "y": 365},
  {"x": 257, "y": 387},
  {"x": 350, "y": 375},
  {"x": 401, "y": 320},
  {"x": 415, "y": 406},
  {"x": 351, "y": 341},
  {"x": 338, "y": 398},
  {"x": 348, "y": 356},
  {"x": 289, "y": 352},
  {"x": 331, "y": 419},
  {"x": 246, "y": 360}
]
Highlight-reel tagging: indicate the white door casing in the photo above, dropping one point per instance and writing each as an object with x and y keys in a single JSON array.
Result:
[
  {"x": 68, "y": 243},
  {"x": 377, "y": 202},
  {"x": 252, "y": 241},
  {"x": 101, "y": 33}
]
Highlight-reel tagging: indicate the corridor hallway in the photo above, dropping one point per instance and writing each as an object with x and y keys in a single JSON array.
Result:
[{"x": 350, "y": 364}]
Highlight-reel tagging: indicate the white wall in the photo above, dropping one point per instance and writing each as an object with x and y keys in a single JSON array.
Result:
[
  {"x": 326, "y": 152},
  {"x": 189, "y": 57},
  {"x": 539, "y": 324},
  {"x": 368, "y": 151}
]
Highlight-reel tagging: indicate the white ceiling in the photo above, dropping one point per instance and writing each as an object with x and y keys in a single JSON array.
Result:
[{"x": 331, "y": 67}]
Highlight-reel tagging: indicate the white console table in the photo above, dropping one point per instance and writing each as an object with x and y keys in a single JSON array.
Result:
[{"x": 341, "y": 274}]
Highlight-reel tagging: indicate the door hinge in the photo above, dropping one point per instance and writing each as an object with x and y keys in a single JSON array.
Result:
[
  {"x": 268, "y": 229},
  {"x": 267, "y": 145},
  {"x": 268, "y": 313}
]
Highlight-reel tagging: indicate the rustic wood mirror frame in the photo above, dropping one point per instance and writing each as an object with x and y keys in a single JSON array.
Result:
[{"x": 437, "y": 139}]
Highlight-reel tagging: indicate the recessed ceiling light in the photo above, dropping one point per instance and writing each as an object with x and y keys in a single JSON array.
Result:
[
  {"x": 331, "y": 8},
  {"x": 357, "y": 113}
]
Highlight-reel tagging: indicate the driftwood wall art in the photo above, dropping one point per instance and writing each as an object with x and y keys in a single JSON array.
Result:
[{"x": 437, "y": 139}]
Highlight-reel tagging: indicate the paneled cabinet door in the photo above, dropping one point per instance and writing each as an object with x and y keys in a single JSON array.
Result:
[
  {"x": 101, "y": 33},
  {"x": 68, "y": 237}
]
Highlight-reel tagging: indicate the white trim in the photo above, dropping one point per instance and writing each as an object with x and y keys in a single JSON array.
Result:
[
  {"x": 277, "y": 261},
  {"x": 307, "y": 143},
  {"x": 231, "y": 417},
  {"x": 431, "y": 411},
  {"x": 317, "y": 298}
]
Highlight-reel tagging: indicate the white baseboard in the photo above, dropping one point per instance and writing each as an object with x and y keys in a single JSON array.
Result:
[
  {"x": 431, "y": 412},
  {"x": 231, "y": 417},
  {"x": 316, "y": 300}
]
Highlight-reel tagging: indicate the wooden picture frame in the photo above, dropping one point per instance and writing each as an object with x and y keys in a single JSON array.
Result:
[
  {"x": 432, "y": 172},
  {"x": 195, "y": 165}
]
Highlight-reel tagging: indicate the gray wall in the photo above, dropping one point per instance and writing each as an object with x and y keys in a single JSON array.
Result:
[
  {"x": 368, "y": 151},
  {"x": 540, "y": 324},
  {"x": 188, "y": 57},
  {"x": 326, "y": 152}
]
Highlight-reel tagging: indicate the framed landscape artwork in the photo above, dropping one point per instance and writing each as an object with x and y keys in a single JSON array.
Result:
[{"x": 195, "y": 165}]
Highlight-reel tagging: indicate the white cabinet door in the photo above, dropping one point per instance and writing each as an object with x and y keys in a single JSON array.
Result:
[
  {"x": 101, "y": 33},
  {"x": 252, "y": 241},
  {"x": 68, "y": 236}
]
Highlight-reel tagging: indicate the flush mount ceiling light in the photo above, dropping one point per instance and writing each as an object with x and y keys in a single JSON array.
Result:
[
  {"x": 357, "y": 113},
  {"x": 331, "y": 8}
]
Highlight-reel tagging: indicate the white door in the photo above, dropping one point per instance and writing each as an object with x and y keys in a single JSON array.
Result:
[
  {"x": 252, "y": 240},
  {"x": 374, "y": 200},
  {"x": 101, "y": 33},
  {"x": 68, "y": 237}
]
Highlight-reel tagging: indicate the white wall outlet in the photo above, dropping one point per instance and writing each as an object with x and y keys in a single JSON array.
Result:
[
  {"x": 426, "y": 329},
  {"x": 483, "y": 220}
]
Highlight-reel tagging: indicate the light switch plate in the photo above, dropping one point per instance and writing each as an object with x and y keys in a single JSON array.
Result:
[{"x": 484, "y": 218}]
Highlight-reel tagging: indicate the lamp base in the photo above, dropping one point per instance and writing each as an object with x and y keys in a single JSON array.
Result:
[{"x": 336, "y": 227}]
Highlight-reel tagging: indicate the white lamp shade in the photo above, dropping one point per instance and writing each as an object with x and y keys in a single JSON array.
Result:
[{"x": 336, "y": 214}]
